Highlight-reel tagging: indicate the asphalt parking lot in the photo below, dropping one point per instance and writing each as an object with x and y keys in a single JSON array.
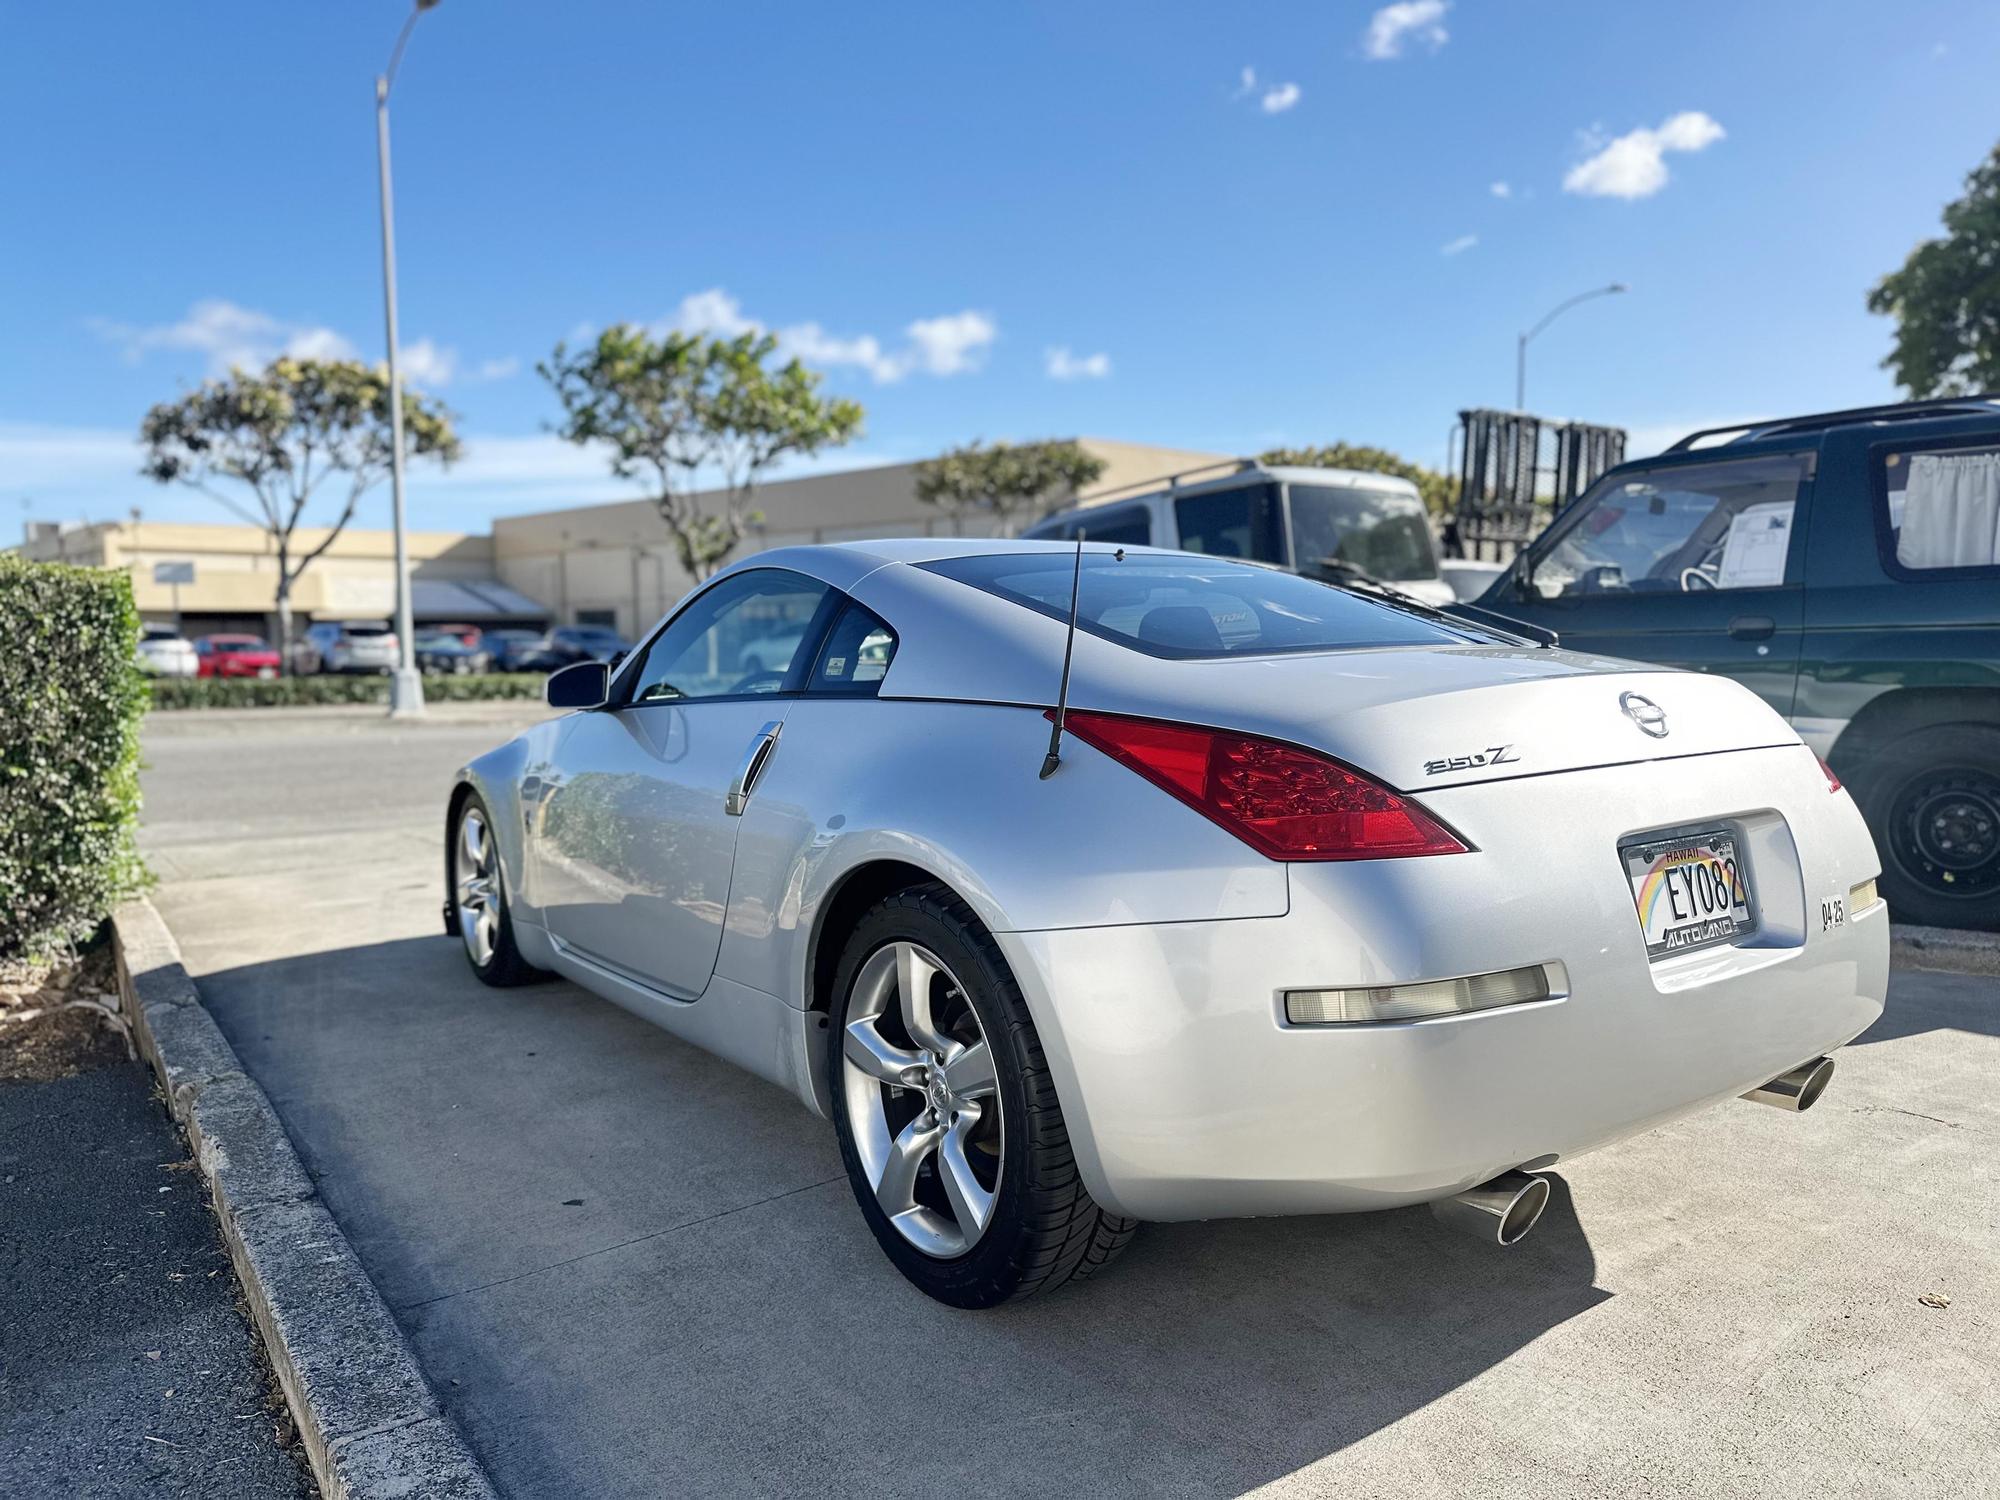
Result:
[{"x": 629, "y": 1269}]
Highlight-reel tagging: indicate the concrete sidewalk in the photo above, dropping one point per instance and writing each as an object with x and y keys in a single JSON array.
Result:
[{"x": 629, "y": 1269}]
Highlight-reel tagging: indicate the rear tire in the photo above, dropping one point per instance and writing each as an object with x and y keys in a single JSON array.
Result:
[
  {"x": 1042, "y": 1228},
  {"x": 1932, "y": 801},
  {"x": 479, "y": 900}
]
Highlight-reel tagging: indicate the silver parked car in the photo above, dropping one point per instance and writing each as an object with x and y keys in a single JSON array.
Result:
[
  {"x": 348, "y": 646},
  {"x": 1305, "y": 901}
]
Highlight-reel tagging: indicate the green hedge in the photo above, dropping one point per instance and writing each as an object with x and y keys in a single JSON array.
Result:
[
  {"x": 288, "y": 692},
  {"x": 70, "y": 701}
]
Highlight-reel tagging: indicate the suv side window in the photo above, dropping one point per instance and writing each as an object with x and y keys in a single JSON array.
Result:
[
  {"x": 1129, "y": 527},
  {"x": 856, "y": 655},
  {"x": 736, "y": 640},
  {"x": 1678, "y": 529},
  {"x": 1938, "y": 510}
]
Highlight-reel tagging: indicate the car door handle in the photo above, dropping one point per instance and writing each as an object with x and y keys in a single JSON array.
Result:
[
  {"x": 752, "y": 767},
  {"x": 1752, "y": 628}
]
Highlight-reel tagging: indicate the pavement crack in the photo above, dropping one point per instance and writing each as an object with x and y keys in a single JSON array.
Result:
[
  {"x": 637, "y": 1239},
  {"x": 1890, "y": 1109}
]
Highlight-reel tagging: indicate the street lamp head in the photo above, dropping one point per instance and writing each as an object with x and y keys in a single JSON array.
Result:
[
  {"x": 1616, "y": 286},
  {"x": 428, "y": 4}
]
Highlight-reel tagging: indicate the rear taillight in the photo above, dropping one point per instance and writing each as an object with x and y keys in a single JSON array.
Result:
[
  {"x": 1284, "y": 802},
  {"x": 1832, "y": 781}
]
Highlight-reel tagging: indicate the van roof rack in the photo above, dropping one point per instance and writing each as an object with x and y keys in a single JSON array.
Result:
[{"x": 1895, "y": 411}]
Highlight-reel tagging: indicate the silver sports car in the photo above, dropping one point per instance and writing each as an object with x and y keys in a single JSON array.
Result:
[{"x": 1080, "y": 887}]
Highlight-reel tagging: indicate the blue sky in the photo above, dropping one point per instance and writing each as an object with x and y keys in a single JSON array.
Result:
[{"x": 930, "y": 201}]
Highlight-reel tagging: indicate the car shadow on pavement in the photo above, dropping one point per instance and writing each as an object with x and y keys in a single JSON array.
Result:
[
  {"x": 1923, "y": 1000},
  {"x": 627, "y": 1268}
]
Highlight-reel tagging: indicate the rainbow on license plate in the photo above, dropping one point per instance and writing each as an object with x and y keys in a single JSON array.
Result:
[{"x": 1691, "y": 891}]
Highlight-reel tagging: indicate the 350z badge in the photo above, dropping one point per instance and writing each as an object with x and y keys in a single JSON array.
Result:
[{"x": 1492, "y": 755}]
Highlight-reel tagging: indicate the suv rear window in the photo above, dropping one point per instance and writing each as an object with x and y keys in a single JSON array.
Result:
[
  {"x": 1942, "y": 508},
  {"x": 1186, "y": 607}
]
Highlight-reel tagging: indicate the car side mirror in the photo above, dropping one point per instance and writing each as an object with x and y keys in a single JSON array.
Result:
[{"x": 586, "y": 684}]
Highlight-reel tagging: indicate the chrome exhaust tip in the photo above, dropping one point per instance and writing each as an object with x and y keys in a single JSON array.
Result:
[
  {"x": 1500, "y": 1211},
  {"x": 1798, "y": 1090}
]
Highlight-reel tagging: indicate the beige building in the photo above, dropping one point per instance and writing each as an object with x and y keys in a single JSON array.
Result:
[
  {"x": 615, "y": 564},
  {"x": 236, "y": 574},
  {"x": 595, "y": 564}
]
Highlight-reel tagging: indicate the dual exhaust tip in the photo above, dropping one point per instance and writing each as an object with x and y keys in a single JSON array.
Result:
[{"x": 1503, "y": 1209}]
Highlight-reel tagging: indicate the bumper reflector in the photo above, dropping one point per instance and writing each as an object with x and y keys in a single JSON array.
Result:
[
  {"x": 1415, "y": 1002},
  {"x": 1861, "y": 897}
]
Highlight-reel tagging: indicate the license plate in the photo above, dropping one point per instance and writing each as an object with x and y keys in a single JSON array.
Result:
[{"x": 1691, "y": 891}]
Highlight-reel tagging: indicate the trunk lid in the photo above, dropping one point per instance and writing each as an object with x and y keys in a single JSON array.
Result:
[{"x": 1423, "y": 718}]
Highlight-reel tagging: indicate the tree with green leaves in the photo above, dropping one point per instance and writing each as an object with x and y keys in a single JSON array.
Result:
[
  {"x": 673, "y": 407},
  {"x": 1000, "y": 479},
  {"x": 283, "y": 434},
  {"x": 1440, "y": 491},
  {"x": 1946, "y": 298}
]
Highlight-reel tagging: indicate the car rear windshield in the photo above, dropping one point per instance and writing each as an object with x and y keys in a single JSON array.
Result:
[{"x": 1187, "y": 607}]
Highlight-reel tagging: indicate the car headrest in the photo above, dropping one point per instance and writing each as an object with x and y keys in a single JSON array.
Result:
[{"x": 1185, "y": 627}]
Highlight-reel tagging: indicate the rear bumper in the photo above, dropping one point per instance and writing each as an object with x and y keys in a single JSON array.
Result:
[{"x": 1189, "y": 1096}]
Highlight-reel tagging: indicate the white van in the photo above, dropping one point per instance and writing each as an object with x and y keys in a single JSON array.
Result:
[{"x": 1319, "y": 522}]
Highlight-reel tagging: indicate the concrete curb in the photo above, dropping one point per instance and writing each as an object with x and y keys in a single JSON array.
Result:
[
  {"x": 1944, "y": 948},
  {"x": 371, "y": 1426}
]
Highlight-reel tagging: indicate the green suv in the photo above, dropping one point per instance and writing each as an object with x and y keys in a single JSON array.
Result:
[{"x": 1846, "y": 566}]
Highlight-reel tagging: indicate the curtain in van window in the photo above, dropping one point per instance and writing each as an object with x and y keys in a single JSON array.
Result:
[{"x": 1951, "y": 511}]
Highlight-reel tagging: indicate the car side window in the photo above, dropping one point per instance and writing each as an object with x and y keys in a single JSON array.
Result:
[
  {"x": 856, "y": 655},
  {"x": 1678, "y": 529},
  {"x": 1940, "y": 508},
  {"x": 737, "y": 639}
]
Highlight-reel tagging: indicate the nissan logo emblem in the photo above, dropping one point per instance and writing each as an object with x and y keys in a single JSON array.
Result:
[{"x": 1644, "y": 712}]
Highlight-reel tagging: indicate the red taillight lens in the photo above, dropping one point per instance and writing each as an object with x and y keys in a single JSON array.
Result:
[
  {"x": 1832, "y": 781},
  {"x": 1284, "y": 802}
]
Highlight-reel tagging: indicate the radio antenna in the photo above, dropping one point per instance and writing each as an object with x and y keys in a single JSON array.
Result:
[{"x": 1054, "y": 757}]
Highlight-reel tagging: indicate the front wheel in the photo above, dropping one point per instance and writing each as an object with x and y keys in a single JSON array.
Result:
[
  {"x": 949, "y": 1125},
  {"x": 1933, "y": 803},
  {"x": 479, "y": 901}
]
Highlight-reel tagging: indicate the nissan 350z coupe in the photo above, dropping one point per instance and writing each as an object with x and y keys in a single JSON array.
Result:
[{"x": 1308, "y": 901}]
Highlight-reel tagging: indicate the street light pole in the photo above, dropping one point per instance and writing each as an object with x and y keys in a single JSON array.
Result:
[
  {"x": 406, "y": 687},
  {"x": 1521, "y": 344}
]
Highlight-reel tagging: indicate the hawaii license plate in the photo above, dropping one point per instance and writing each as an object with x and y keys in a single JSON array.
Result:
[{"x": 1691, "y": 889}]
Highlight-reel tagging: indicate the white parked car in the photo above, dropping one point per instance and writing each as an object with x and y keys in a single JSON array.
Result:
[
  {"x": 1325, "y": 523},
  {"x": 347, "y": 646},
  {"x": 1305, "y": 901},
  {"x": 165, "y": 652}
]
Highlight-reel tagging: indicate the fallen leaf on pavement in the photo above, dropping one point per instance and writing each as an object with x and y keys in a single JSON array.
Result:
[{"x": 1935, "y": 1299}]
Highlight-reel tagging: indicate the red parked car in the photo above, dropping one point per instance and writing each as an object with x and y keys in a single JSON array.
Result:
[{"x": 235, "y": 656}]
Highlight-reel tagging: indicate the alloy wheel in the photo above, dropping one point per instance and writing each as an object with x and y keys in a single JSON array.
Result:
[
  {"x": 476, "y": 884},
  {"x": 922, "y": 1099}
]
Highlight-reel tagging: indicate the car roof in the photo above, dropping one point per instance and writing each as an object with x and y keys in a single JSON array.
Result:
[{"x": 1918, "y": 419}]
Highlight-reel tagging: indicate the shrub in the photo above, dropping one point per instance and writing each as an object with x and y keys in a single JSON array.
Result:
[
  {"x": 70, "y": 700},
  {"x": 288, "y": 692}
]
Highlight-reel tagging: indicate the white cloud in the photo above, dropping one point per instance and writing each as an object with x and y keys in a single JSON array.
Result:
[
  {"x": 1460, "y": 245},
  {"x": 1634, "y": 165},
  {"x": 504, "y": 368},
  {"x": 1063, "y": 365},
  {"x": 1249, "y": 84},
  {"x": 427, "y": 363},
  {"x": 951, "y": 345},
  {"x": 1394, "y": 26},
  {"x": 1279, "y": 98},
  {"x": 1501, "y": 190},
  {"x": 226, "y": 335}
]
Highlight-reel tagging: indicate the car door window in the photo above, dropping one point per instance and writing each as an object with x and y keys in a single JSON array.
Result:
[
  {"x": 856, "y": 655},
  {"x": 1940, "y": 509},
  {"x": 1678, "y": 529},
  {"x": 1238, "y": 522},
  {"x": 738, "y": 639}
]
